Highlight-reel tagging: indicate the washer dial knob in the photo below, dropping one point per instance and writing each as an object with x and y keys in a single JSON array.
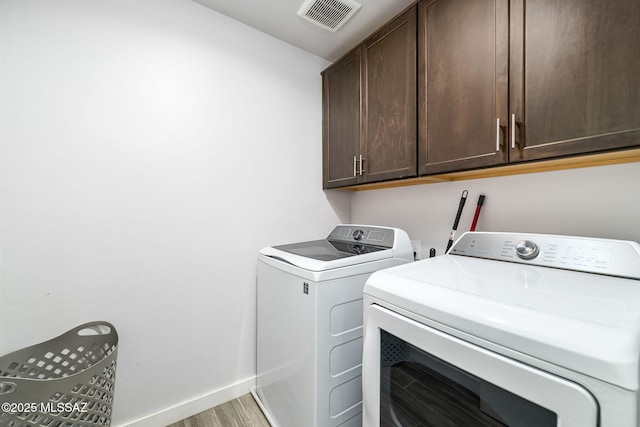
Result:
[
  {"x": 526, "y": 249},
  {"x": 357, "y": 234}
]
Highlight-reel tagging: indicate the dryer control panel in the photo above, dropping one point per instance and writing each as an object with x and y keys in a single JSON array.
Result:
[{"x": 592, "y": 255}]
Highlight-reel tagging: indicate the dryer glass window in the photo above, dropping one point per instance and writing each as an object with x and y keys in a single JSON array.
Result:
[{"x": 417, "y": 388}]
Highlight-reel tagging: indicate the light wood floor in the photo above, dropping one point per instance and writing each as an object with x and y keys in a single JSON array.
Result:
[{"x": 241, "y": 412}]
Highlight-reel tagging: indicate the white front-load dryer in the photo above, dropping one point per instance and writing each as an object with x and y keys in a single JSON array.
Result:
[{"x": 512, "y": 329}]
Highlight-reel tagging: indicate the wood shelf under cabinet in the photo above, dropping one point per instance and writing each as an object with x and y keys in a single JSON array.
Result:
[{"x": 600, "y": 159}]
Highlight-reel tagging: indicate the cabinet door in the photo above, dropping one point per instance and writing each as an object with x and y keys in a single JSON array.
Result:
[
  {"x": 575, "y": 76},
  {"x": 341, "y": 121},
  {"x": 389, "y": 100},
  {"x": 462, "y": 84}
]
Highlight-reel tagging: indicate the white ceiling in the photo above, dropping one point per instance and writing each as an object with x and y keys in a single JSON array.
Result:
[{"x": 279, "y": 19}]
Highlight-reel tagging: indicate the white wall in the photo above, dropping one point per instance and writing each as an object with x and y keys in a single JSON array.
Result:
[
  {"x": 598, "y": 201},
  {"x": 148, "y": 150}
]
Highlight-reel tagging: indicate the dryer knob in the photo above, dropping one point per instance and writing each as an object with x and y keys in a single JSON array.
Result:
[
  {"x": 357, "y": 234},
  {"x": 526, "y": 249}
]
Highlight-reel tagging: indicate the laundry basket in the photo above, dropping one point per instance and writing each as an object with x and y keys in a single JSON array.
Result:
[{"x": 64, "y": 382}]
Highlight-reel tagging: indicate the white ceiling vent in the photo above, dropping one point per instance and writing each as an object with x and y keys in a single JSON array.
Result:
[{"x": 328, "y": 14}]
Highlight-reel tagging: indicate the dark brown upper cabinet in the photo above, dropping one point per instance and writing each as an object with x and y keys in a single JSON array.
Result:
[
  {"x": 574, "y": 77},
  {"x": 498, "y": 82},
  {"x": 504, "y": 81},
  {"x": 462, "y": 84},
  {"x": 369, "y": 108},
  {"x": 341, "y": 121}
]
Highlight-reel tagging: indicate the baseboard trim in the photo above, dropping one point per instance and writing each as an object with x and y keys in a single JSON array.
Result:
[
  {"x": 193, "y": 406},
  {"x": 267, "y": 415}
]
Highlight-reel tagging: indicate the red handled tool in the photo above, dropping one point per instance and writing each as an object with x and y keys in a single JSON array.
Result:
[{"x": 477, "y": 214}]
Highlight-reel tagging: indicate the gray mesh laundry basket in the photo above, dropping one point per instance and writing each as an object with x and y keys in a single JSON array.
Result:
[{"x": 67, "y": 381}]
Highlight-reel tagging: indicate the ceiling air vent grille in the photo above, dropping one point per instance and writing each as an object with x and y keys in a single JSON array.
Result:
[{"x": 328, "y": 14}]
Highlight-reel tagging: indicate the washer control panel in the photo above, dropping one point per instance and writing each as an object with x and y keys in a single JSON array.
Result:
[
  {"x": 357, "y": 234},
  {"x": 592, "y": 255},
  {"x": 362, "y": 234}
]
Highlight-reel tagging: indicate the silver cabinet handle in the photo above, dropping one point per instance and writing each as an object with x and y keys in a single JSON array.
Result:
[
  {"x": 361, "y": 168},
  {"x": 355, "y": 172},
  {"x": 513, "y": 131},
  {"x": 498, "y": 135}
]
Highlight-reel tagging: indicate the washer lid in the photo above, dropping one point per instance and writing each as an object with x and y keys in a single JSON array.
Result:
[
  {"x": 328, "y": 250},
  {"x": 347, "y": 244},
  {"x": 585, "y": 322},
  {"x": 321, "y": 255}
]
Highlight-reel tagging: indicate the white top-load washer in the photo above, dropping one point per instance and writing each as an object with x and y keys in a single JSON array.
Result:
[
  {"x": 507, "y": 329},
  {"x": 309, "y": 323}
]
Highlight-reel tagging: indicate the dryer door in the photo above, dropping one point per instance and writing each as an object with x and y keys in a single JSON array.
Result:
[{"x": 416, "y": 375}]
